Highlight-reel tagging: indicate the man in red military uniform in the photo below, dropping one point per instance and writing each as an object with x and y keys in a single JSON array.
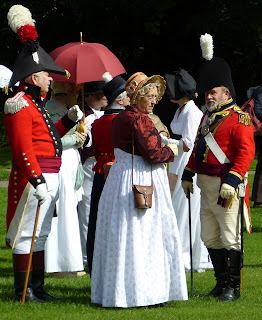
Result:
[
  {"x": 36, "y": 149},
  {"x": 114, "y": 91},
  {"x": 224, "y": 149}
]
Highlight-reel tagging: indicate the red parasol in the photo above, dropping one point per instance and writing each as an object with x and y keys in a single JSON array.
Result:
[{"x": 86, "y": 62}]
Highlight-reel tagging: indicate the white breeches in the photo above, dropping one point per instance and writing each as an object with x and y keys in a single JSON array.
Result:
[
  {"x": 25, "y": 231},
  {"x": 220, "y": 227}
]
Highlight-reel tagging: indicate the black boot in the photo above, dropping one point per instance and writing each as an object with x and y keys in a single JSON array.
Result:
[
  {"x": 232, "y": 290},
  {"x": 20, "y": 262},
  {"x": 38, "y": 277},
  {"x": 219, "y": 258}
]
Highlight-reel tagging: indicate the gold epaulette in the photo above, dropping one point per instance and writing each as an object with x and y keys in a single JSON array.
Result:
[
  {"x": 243, "y": 117},
  {"x": 15, "y": 104}
]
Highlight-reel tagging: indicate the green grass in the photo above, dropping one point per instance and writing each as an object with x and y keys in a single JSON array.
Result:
[
  {"x": 5, "y": 163},
  {"x": 76, "y": 303}
]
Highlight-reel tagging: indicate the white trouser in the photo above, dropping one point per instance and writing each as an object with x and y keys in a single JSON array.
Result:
[
  {"x": 84, "y": 204},
  {"x": 220, "y": 227},
  {"x": 26, "y": 228}
]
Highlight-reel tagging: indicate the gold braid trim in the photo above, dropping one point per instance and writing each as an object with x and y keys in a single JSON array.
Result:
[
  {"x": 236, "y": 174},
  {"x": 190, "y": 170},
  {"x": 243, "y": 117}
]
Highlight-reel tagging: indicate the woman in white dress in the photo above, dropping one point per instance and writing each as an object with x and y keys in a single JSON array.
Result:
[
  {"x": 181, "y": 88},
  {"x": 137, "y": 256},
  {"x": 63, "y": 247}
]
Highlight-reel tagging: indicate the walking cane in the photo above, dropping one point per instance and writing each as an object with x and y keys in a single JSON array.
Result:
[
  {"x": 190, "y": 241},
  {"x": 31, "y": 254},
  {"x": 242, "y": 203}
]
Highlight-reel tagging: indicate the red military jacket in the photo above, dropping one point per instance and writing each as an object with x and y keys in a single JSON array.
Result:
[
  {"x": 102, "y": 140},
  {"x": 235, "y": 137},
  {"x": 147, "y": 140},
  {"x": 31, "y": 135}
]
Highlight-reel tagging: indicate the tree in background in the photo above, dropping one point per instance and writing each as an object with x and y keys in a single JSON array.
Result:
[{"x": 151, "y": 36}]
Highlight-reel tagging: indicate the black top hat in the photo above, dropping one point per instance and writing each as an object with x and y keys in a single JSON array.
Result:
[
  {"x": 180, "y": 84},
  {"x": 93, "y": 87},
  {"x": 113, "y": 88},
  {"x": 215, "y": 73},
  {"x": 25, "y": 64}
]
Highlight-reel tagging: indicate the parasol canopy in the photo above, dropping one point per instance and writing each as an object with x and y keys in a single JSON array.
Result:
[{"x": 86, "y": 62}]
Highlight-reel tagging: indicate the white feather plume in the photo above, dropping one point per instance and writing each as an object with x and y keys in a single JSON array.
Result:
[
  {"x": 107, "y": 77},
  {"x": 206, "y": 44},
  {"x": 19, "y": 16}
]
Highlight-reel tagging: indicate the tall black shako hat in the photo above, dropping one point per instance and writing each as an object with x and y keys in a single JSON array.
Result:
[
  {"x": 180, "y": 84},
  {"x": 215, "y": 71},
  {"x": 32, "y": 57},
  {"x": 113, "y": 86}
]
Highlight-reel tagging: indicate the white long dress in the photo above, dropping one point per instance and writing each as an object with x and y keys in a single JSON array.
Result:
[
  {"x": 186, "y": 124},
  {"x": 84, "y": 204},
  {"x": 63, "y": 247},
  {"x": 137, "y": 255}
]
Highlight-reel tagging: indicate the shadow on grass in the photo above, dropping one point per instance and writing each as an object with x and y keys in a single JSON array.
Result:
[
  {"x": 256, "y": 229},
  {"x": 6, "y": 272}
]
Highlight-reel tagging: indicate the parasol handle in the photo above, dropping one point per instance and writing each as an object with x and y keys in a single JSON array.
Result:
[{"x": 81, "y": 39}]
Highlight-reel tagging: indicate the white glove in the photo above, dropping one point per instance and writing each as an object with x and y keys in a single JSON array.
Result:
[
  {"x": 74, "y": 113},
  {"x": 81, "y": 139},
  {"x": 227, "y": 191},
  {"x": 173, "y": 147},
  {"x": 167, "y": 141},
  {"x": 41, "y": 193},
  {"x": 187, "y": 187}
]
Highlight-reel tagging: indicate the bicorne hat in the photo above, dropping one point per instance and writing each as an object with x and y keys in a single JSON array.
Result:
[
  {"x": 32, "y": 57},
  {"x": 180, "y": 84},
  {"x": 215, "y": 71},
  {"x": 113, "y": 86}
]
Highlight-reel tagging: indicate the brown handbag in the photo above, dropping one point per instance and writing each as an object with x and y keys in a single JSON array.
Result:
[{"x": 142, "y": 194}]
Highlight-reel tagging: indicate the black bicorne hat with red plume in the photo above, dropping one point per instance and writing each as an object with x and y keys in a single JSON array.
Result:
[{"x": 32, "y": 57}]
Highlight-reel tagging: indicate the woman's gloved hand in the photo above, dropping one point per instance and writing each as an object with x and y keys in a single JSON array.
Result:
[
  {"x": 74, "y": 113},
  {"x": 168, "y": 141}
]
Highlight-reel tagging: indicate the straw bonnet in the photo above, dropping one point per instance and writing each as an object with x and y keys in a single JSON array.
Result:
[
  {"x": 62, "y": 87},
  {"x": 139, "y": 80}
]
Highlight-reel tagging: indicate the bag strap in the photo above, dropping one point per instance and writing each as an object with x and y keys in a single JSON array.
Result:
[{"x": 133, "y": 152}]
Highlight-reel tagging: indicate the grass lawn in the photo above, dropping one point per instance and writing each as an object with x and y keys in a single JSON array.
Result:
[
  {"x": 76, "y": 303},
  {"x": 5, "y": 163}
]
